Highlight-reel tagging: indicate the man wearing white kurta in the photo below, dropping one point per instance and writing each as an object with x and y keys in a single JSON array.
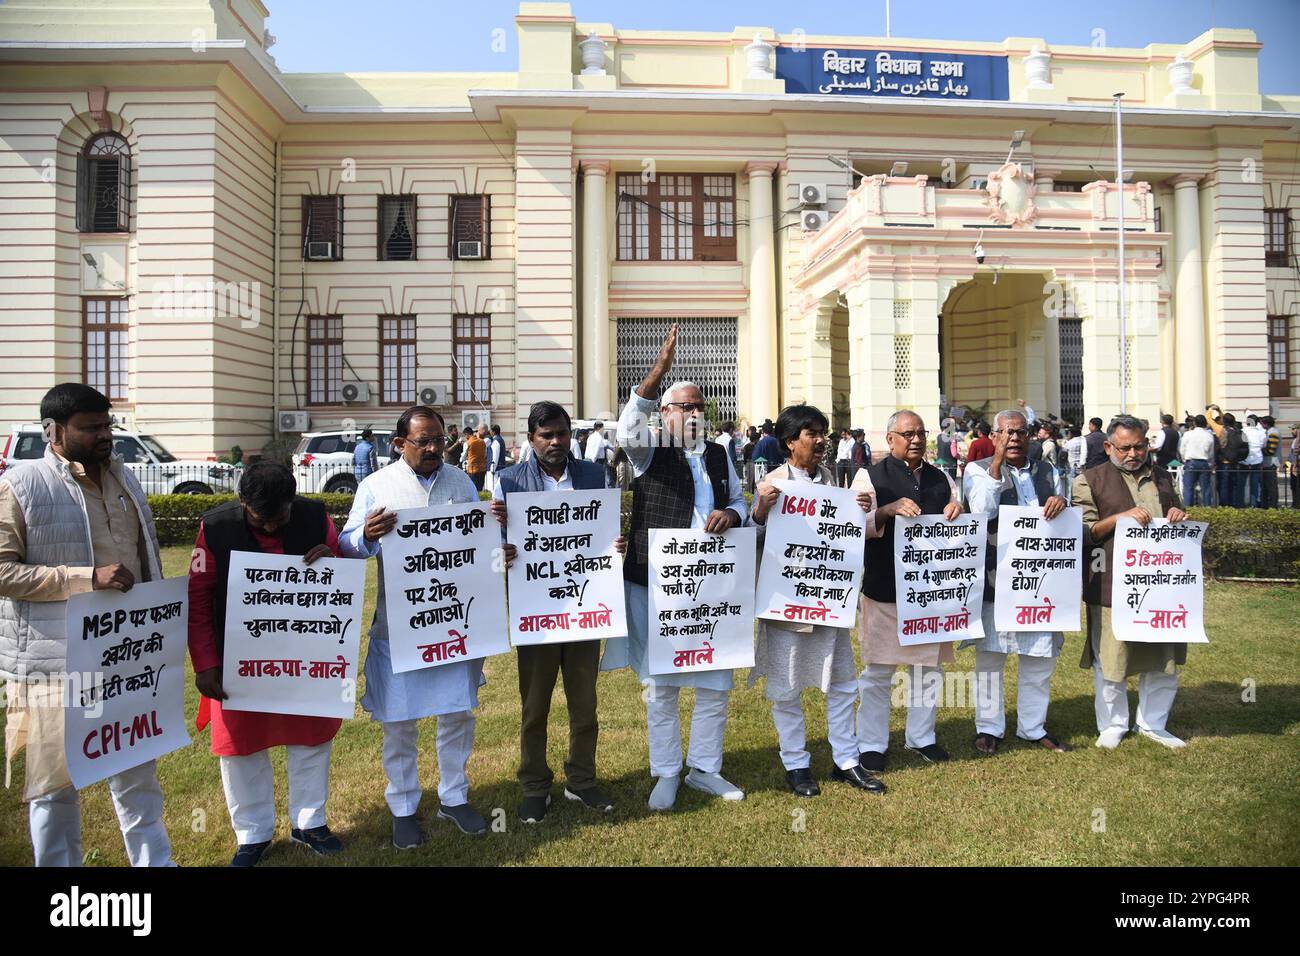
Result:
[
  {"x": 449, "y": 691},
  {"x": 1009, "y": 478},
  {"x": 903, "y": 484},
  {"x": 793, "y": 656},
  {"x": 681, "y": 481}
]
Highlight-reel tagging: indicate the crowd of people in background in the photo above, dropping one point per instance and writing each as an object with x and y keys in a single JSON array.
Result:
[{"x": 1215, "y": 458}]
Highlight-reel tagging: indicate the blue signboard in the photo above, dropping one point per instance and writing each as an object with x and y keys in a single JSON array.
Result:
[{"x": 947, "y": 76}]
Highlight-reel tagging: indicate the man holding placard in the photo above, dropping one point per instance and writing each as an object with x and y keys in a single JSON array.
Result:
[
  {"x": 682, "y": 481},
  {"x": 418, "y": 479},
  {"x": 551, "y": 467},
  {"x": 70, "y": 522},
  {"x": 1126, "y": 485},
  {"x": 903, "y": 484},
  {"x": 795, "y": 654},
  {"x": 270, "y": 518},
  {"x": 1008, "y": 478}
]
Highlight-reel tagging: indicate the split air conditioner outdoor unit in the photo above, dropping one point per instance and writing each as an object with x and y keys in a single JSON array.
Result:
[
  {"x": 469, "y": 421},
  {"x": 812, "y": 194},
  {"x": 295, "y": 421},
  {"x": 355, "y": 392},
  {"x": 434, "y": 395},
  {"x": 813, "y": 219}
]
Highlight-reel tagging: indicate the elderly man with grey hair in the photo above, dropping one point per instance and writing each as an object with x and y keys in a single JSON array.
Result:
[
  {"x": 1009, "y": 478},
  {"x": 1127, "y": 484},
  {"x": 901, "y": 484},
  {"x": 681, "y": 481}
]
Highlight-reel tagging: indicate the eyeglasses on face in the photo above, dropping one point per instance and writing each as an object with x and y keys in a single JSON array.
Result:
[
  {"x": 426, "y": 442},
  {"x": 686, "y": 407},
  {"x": 910, "y": 436},
  {"x": 1018, "y": 432},
  {"x": 1125, "y": 449}
]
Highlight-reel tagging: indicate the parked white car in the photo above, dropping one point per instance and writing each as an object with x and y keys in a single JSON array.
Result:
[
  {"x": 323, "y": 461},
  {"x": 158, "y": 470}
]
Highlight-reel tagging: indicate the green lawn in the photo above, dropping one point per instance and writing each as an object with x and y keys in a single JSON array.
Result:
[{"x": 1228, "y": 799}]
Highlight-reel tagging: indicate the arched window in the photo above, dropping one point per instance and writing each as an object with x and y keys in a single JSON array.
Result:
[{"x": 104, "y": 185}]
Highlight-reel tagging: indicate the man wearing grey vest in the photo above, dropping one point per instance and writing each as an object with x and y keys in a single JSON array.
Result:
[
  {"x": 682, "y": 481},
  {"x": 1008, "y": 478},
  {"x": 70, "y": 522}
]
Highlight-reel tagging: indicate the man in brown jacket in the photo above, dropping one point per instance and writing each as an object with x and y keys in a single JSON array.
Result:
[{"x": 1126, "y": 485}]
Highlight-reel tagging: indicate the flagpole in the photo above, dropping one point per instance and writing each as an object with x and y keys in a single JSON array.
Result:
[{"x": 1124, "y": 358}]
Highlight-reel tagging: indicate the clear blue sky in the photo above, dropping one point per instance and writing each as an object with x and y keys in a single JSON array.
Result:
[{"x": 434, "y": 35}]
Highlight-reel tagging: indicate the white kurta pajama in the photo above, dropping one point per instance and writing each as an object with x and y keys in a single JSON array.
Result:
[
  {"x": 712, "y": 688},
  {"x": 398, "y": 701},
  {"x": 793, "y": 657},
  {"x": 882, "y": 654},
  {"x": 1036, "y": 651}
]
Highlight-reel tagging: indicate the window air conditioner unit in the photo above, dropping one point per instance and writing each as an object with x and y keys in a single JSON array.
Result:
[
  {"x": 469, "y": 421},
  {"x": 468, "y": 249},
  {"x": 434, "y": 395},
  {"x": 320, "y": 251},
  {"x": 813, "y": 219},
  {"x": 295, "y": 421},
  {"x": 355, "y": 392},
  {"x": 812, "y": 194}
]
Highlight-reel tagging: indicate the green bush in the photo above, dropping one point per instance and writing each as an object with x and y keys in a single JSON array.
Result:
[
  {"x": 1251, "y": 542},
  {"x": 177, "y": 516}
]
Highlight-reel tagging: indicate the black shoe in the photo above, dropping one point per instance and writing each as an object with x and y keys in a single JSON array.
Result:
[
  {"x": 872, "y": 761},
  {"x": 859, "y": 778},
  {"x": 466, "y": 818},
  {"x": 802, "y": 782},
  {"x": 533, "y": 809},
  {"x": 932, "y": 754},
  {"x": 407, "y": 834},
  {"x": 249, "y": 854},
  {"x": 592, "y": 797},
  {"x": 317, "y": 839}
]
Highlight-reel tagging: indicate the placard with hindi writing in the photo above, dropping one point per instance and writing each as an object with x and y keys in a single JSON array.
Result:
[
  {"x": 293, "y": 634},
  {"x": 1157, "y": 588},
  {"x": 1039, "y": 585},
  {"x": 444, "y": 586},
  {"x": 939, "y": 577},
  {"x": 566, "y": 583},
  {"x": 124, "y": 699},
  {"x": 812, "y": 557},
  {"x": 701, "y": 600}
]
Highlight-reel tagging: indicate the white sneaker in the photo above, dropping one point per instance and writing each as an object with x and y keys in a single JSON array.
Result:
[
  {"x": 664, "y": 795},
  {"x": 1111, "y": 737},
  {"x": 1164, "y": 737},
  {"x": 715, "y": 784}
]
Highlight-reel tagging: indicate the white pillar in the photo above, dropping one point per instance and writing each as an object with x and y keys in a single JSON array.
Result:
[
  {"x": 763, "y": 398},
  {"x": 820, "y": 365},
  {"x": 597, "y": 400},
  {"x": 1189, "y": 298}
]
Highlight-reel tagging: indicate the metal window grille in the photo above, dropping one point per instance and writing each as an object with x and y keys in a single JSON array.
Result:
[
  {"x": 1071, "y": 348},
  {"x": 706, "y": 355},
  {"x": 902, "y": 361}
]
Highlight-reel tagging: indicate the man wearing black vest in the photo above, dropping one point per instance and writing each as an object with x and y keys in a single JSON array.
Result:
[
  {"x": 1164, "y": 447},
  {"x": 1008, "y": 478},
  {"x": 270, "y": 518},
  {"x": 682, "y": 481},
  {"x": 1126, "y": 485},
  {"x": 903, "y": 484}
]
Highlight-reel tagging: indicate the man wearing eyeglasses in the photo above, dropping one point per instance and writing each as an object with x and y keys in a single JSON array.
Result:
[
  {"x": 681, "y": 481},
  {"x": 1009, "y": 478},
  {"x": 449, "y": 691},
  {"x": 902, "y": 484},
  {"x": 1126, "y": 485}
]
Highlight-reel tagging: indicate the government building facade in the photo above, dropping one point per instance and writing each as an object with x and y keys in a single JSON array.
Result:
[{"x": 236, "y": 254}]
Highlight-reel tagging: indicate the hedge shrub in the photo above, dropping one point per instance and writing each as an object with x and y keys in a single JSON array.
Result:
[{"x": 1242, "y": 542}]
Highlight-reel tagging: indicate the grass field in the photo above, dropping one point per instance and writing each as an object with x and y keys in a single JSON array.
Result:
[{"x": 1229, "y": 799}]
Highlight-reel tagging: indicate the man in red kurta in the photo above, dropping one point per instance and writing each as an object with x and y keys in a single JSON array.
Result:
[{"x": 270, "y": 518}]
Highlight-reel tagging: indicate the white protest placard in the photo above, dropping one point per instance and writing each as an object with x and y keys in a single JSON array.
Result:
[
  {"x": 1039, "y": 584},
  {"x": 293, "y": 634},
  {"x": 1157, "y": 590},
  {"x": 124, "y": 703},
  {"x": 812, "y": 555},
  {"x": 444, "y": 586},
  {"x": 939, "y": 577},
  {"x": 701, "y": 600},
  {"x": 566, "y": 583}
]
